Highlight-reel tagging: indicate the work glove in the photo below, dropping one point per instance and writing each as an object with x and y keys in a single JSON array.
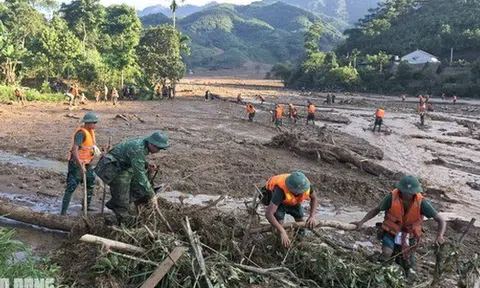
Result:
[{"x": 96, "y": 151}]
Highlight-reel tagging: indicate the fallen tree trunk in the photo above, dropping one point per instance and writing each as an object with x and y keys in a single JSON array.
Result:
[
  {"x": 324, "y": 223},
  {"x": 47, "y": 220}
]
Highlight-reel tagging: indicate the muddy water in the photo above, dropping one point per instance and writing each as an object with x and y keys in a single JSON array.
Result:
[{"x": 10, "y": 158}]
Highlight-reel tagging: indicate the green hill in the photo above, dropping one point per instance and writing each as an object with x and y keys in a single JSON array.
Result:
[
  {"x": 345, "y": 10},
  {"x": 227, "y": 36},
  {"x": 402, "y": 26}
]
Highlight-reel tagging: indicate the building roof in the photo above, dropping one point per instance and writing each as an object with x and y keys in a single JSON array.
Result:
[{"x": 420, "y": 57}]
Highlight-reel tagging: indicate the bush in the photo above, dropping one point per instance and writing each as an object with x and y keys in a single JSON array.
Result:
[
  {"x": 45, "y": 87},
  {"x": 7, "y": 93},
  {"x": 343, "y": 77}
]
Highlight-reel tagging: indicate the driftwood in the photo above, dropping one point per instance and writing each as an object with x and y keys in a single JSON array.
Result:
[
  {"x": 122, "y": 116},
  {"x": 164, "y": 267},
  {"x": 323, "y": 223},
  {"x": 214, "y": 203},
  {"x": 51, "y": 221},
  {"x": 112, "y": 244},
  {"x": 266, "y": 272},
  {"x": 72, "y": 116},
  {"x": 138, "y": 118}
]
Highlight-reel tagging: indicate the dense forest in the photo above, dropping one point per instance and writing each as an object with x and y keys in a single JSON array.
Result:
[
  {"x": 84, "y": 42},
  {"x": 395, "y": 28},
  {"x": 227, "y": 36}
]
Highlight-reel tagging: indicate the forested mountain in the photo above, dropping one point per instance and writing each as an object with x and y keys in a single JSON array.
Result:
[
  {"x": 346, "y": 10},
  {"x": 227, "y": 36},
  {"x": 401, "y": 26}
]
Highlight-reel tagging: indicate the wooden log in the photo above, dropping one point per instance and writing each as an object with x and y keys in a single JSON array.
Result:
[
  {"x": 164, "y": 267},
  {"x": 51, "y": 221},
  {"x": 112, "y": 244},
  {"x": 323, "y": 223}
]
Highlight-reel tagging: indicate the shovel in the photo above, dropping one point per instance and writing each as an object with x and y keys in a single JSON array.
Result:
[
  {"x": 85, "y": 208},
  {"x": 105, "y": 185}
]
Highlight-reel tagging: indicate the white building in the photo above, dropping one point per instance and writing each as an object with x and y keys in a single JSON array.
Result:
[{"x": 420, "y": 57}]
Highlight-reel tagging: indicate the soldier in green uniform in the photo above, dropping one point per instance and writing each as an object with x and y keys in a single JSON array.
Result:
[{"x": 131, "y": 184}]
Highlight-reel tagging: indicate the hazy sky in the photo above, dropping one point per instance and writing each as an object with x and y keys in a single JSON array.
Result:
[{"x": 140, "y": 4}]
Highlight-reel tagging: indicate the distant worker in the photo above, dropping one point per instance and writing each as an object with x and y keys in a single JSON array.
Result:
[
  {"x": 278, "y": 114},
  {"x": 75, "y": 93},
  {"x": 82, "y": 152},
  {"x": 422, "y": 110},
  {"x": 96, "y": 95},
  {"x": 443, "y": 96},
  {"x": 404, "y": 97},
  {"x": 311, "y": 112},
  {"x": 292, "y": 113},
  {"x": 164, "y": 91},
  {"x": 207, "y": 95},
  {"x": 171, "y": 92},
  {"x": 262, "y": 99},
  {"x": 105, "y": 93},
  {"x": 454, "y": 99},
  {"x": 421, "y": 99},
  {"x": 379, "y": 115},
  {"x": 83, "y": 99},
  {"x": 20, "y": 96},
  {"x": 158, "y": 91},
  {"x": 430, "y": 107},
  {"x": 251, "y": 112},
  {"x": 427, "y": 98},
  {"x": 284, "y": 194},
  {"x": 239, "y": 99},
  {"x": 329, "y": 99},
  {"x": 131, "y": 183},
  {"x": 401, "y": 230},
  {"x": 114, "y": 96},
  {"x": 333, "y": 98}
]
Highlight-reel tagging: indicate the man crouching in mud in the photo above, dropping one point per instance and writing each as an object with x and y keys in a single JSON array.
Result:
[
  {"x": 284, "y": 194},
  {"x": 125, "y": 170},
  {"x": 401, "y": 230}
]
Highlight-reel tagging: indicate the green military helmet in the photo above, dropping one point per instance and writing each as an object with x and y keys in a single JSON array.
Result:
[
  {"x": 409, "y": 185},
  {"x": 158, "y": 139},
  {"x": 90, "y": 117},
  {"x": 298, "y": 183}
]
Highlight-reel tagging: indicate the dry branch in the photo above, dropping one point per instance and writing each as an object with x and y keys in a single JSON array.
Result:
[{"x": 260, "y": 271}]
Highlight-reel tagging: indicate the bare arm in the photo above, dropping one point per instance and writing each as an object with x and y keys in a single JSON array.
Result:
[
  {"x": 442, "y": 225},
  {"x": 370, "y": 215},
  {"x": 313, "y": 204},
  {"x": 269, "y": 214}
]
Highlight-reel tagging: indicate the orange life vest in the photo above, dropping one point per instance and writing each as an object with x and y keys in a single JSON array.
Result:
[
  {"x": 85, "y": 151},
  {"x": 262, "y": 98},
  {"x": 290, "y": 198},
  {"x": 311, "y": 109},
  {"x": 96, "y": 95},
  {"x": 380, "y": 113},
  {"x": 74, "y": 91},
  {"x": 250, "y": 109},
  {"x": 396, "y": 220},
  {"x": 18, "y": 93},
  {"x": 279, "y": 113}
]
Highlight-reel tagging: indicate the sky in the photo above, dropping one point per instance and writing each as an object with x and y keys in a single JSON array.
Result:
[{"x": 140, "y": 4}]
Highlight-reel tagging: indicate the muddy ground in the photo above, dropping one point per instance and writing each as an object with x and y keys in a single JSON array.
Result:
[{"x": 215, "y": 151}]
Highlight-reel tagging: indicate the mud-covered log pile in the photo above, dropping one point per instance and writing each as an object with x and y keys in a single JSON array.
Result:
[{"x": 316, "y": 149}]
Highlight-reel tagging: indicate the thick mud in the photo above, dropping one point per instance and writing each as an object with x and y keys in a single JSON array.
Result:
[{"x": 216, "y": 151}]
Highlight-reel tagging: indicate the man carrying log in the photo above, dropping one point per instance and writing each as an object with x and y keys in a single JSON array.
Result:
[
  {"x": 251, "y": 112},
  {"x": 379, "y": 115},
  {"x": 82, "y": 152},
  {"x": 401, "y": 230},
  {"x": 130, "y": 182},
  {"x": 284, "y": 194}
]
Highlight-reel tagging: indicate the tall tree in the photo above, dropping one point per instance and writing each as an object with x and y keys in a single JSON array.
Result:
[
  {"x": 123, "y": 27},
  {"x": 84, "y": 17},
  {"x": 11, "y": 51},
  {"x": 59, "y": 45},
  {"x": 312, "y": 36},
  {"x": 173, "y": 7},
  {"x": 159, "y": 54}
]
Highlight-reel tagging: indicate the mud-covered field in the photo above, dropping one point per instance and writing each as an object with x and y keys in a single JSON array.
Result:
[{"x": 215, "y": 151}]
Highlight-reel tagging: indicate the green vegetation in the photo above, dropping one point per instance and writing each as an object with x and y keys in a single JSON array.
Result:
[
  {"x": 398, "y": 27},
  {"x": 83, "y": 42},
  {"x": 12, "y": 267},
  {"x": 227, "y": 36}
]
